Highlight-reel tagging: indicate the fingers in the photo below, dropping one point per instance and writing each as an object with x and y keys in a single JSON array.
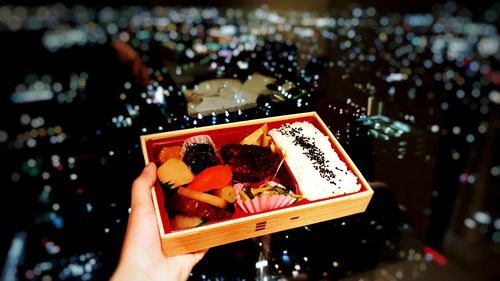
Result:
[
  {"x": 141, "y": 188},
  {"x": 199, "y": 255},
  {"x": 142, "y": 236},
  {"x": 142, "y": 246},
  {"x": 142, "y": 219}
]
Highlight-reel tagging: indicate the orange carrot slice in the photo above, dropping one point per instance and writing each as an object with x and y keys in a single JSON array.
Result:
[{"x": 212, "y": 178}]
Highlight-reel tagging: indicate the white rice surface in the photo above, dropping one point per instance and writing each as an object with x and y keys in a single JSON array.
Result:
[{"x": 317, "y": 168}]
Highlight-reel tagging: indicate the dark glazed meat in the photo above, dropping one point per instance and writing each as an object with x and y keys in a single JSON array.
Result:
[{"x": 250, "y": 163}]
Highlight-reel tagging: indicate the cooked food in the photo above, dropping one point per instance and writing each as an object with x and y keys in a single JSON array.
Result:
[
  {"x": 227, "y": 193},
  {"x": 269, "y": 188},
  {"x": 194, "y": 207},
  {"x": 250, "y": 163},
  {"x": 175, "y": 173},
  {"x": 181, "y": 221},
  {"x": 317, "y": 168},
  {"x": 200, "y": 156},
  {"x": 206, "y": 188},
  {"x": 169, "y": 152},
  {"x": 266, "y": 141},
  {"x": 203, "y": 197},
  {"x": 256, "y": 137},
  {"x": 197, "y": 139},
  {"x": 268, "y": 196},
  {"x": 212, "y": 178}
]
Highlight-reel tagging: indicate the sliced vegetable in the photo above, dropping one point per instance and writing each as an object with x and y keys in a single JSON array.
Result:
[
  {"x": 272, "y": 146},
  {"x": 267, "y": 189},
  {"x": 243, "y": 195},
  {"x": 212, "y": 178},
  {"x": 169, "y": 152},
  {"x": 255, "y": 137},
  {"x": 266, "y": 141},
  {"x": 203, "y": 197},
  {"x": 181, "y": 221},
  {"x": 227, "y": 193},
  {"x": 262, "y": 189},
  {"x": 175, "y": 172}
]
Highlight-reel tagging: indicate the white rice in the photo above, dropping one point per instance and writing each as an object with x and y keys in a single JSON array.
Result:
[{"x": 317, "y": 168}]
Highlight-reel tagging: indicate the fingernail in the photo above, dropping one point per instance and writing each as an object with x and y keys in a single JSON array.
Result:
[{"x": 149, "y": 166}]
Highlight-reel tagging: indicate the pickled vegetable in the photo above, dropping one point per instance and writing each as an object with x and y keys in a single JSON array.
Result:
[
  {"x": 227, "y": 193},
  {"x": 212, "y": 178}
]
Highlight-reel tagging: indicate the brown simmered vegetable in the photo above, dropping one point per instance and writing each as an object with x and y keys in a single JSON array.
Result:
[
  {"x": 169, "y": 152},
  {"x": 175, "y": 173},
  {"x": 250, "y": 163},
  {"x": 198, "y": 208}
]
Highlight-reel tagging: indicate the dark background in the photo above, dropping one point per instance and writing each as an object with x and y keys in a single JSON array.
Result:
[{"x": 434, "y": 189}]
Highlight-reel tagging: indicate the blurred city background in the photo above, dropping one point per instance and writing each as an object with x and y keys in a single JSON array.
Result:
[{"x": 410, "y": 88}]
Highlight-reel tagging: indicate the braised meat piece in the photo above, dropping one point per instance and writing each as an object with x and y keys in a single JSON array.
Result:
[
  {"x": 198, "y": 208},
  {"x": 250, "y": 163}
]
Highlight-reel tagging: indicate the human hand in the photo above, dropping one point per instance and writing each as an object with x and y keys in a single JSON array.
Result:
[{"x": 141, "y": 257}]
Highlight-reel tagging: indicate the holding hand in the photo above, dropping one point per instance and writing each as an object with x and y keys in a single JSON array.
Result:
[{"x": 142, "y": 257}]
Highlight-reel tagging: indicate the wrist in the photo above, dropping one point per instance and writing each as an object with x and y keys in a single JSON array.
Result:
[{"x": 135, "y": 272}]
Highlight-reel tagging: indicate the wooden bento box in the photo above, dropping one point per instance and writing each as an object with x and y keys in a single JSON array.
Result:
[{"x": 242, "y": 225}]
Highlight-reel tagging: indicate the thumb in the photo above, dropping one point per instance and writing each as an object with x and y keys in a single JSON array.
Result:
[
  {"x": 141, "y": 194},
  {"x": 142, "y": 230}
]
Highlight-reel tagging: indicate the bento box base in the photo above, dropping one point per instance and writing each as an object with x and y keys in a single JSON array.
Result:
[
  {"x": 176, "y": 242},
  {"x": 262, "y": 224}
]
